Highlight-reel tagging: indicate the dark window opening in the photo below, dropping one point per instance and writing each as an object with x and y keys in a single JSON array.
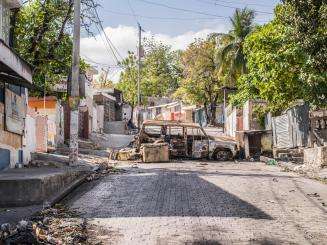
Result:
[
  {"x": 2, "y": 92},
  {"x": 16, "y": 89}
]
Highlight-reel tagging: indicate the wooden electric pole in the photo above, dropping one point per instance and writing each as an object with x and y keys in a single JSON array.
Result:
[
  {"x": 139, "y": 66},
  {"x": 74, "y": 95}
]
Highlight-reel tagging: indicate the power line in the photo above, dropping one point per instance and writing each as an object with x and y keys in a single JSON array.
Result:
[
  {"x": 228, "y": 6},
  {"x": 132, "y": 10},
  {"x": 244, "y": 3},
  {"x": 99, "y": 63},
  {"x": 163, "y": 18},
  {"x": 182, "y": 9},
  {"x": 109, "y": 42},
  {"x": 110, "y": 50}
]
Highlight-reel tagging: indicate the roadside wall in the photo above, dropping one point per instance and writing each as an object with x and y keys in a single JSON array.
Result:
[
  {"x": 316, "y": 157},
  {"x": 9, "y": 144},
  {"x": 29, "y": 140},
  {"x": 291, "y": 129},
  {"x": 231, "y": 121},
  {"x": 41, "y": 133}
]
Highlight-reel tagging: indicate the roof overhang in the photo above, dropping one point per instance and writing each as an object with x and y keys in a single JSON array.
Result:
[
  {"x": 13, "y": 4},
  {"x": 14, "y": 69}
]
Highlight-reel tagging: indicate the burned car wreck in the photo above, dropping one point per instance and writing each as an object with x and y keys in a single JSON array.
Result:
[{"x": 185, "y": 140}]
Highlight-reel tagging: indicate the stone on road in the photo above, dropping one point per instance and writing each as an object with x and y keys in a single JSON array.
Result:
[{"x": 191, "y": 203}]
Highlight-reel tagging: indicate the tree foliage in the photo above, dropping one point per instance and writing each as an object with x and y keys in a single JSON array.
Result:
[
  {"x": 128, "y": 79},
  {"x": 285, "y": 58},
  {"x": 273, "y": 63},
  {"x": 308, "y": 23},
  {"x": 160, "y": 73},
  {"x": 203, "y": 79},
  {"x": 43, "y": 34},
  {"x": 232, "y": 53}
]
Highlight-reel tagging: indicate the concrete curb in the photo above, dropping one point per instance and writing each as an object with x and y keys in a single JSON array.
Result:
[
  {"x": 59, "y": 196},
  {"x": 15, "y": 214}
]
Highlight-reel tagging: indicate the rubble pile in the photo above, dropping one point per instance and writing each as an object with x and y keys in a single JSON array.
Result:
[
  {"x": 103, "y": 169},
  {"x": 56, "y": 225},
  {"x": 125, "y": 154}
]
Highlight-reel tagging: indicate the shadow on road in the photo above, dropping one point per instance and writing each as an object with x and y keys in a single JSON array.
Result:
[{"x": 158, "y": 192}]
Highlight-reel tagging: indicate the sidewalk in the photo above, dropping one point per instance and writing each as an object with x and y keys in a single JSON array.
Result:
[{"x": 25, "y": 191}]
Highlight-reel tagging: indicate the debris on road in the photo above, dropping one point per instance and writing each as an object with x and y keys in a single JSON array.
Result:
[
  {"x": 125, "y": 154},
  {"x": 272, "y": 162},
  {"x": 313, "y": 195},
  {"x": 56, "y": 225},
  {"x": 103, "y": 169}
]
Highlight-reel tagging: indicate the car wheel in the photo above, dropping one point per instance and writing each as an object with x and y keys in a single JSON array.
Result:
[{"x": 223, "y": 155}]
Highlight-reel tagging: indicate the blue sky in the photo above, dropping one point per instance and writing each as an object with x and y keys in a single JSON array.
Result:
[
  {"x": 175, "y": 22},
  {"x": 119, "y": 12}
]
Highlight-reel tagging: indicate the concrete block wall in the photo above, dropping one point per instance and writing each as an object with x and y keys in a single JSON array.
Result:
[
  {"x": 41, "y": 133},
  {"x": 316, "y": 157}
]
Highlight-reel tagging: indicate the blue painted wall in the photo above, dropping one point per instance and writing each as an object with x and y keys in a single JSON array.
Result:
[{"x": 4, "y": 158}]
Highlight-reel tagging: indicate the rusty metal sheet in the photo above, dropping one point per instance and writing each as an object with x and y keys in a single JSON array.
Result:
[
  {"x": 15, "y": 109},
  {"x": 282, "y": 132}
]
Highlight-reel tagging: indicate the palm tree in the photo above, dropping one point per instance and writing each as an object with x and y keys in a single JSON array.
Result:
[{"x": 232, "y": 51}]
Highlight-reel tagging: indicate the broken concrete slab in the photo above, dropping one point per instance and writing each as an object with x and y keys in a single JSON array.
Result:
[
  {"x": 32, "y": 186},
  {"x": 113, "y": 141},
  {"x": 316, "y": 157}
]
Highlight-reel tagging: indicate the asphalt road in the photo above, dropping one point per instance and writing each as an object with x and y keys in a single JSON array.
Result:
[{"x": 204, "y": 203}]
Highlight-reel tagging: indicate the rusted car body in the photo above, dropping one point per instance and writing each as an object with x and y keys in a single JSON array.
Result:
[{"x": 186, "y": 140}]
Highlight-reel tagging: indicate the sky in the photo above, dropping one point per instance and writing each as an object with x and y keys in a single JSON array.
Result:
[{"x": 175, "y": 22}]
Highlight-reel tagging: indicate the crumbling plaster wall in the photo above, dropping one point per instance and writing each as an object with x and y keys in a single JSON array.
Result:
[{"x": 316, "y": 157}]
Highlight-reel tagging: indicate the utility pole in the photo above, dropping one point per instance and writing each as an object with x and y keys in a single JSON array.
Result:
[
  {"x": 139, "y": 66},
  {"x": 74, "y": 95},
  {"x": 224, "y": 110},
  {"x": 106, "y": 77}
]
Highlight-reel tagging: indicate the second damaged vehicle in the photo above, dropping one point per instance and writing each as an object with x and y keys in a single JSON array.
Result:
[{"x": 186, "y": 140}]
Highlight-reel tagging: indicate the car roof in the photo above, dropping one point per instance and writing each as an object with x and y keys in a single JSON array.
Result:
[{"x": 170, "y": 123}]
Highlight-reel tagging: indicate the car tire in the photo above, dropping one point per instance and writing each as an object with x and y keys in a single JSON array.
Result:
[{"x": 222, "y": 155}]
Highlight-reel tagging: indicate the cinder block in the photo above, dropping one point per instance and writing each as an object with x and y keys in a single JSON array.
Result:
[{"x": 316, "y": 156}]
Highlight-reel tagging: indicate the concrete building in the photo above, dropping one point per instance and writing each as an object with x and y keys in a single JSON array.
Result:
[
  {"x": 15, "y": 77},
  {"x": 108, "y": 103},
  {"x": 51, "y": 108}
]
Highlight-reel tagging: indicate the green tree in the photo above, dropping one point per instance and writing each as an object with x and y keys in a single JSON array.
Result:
[
  {"x": 232, "y": 53},
  {"x": 128, "y": 79},
  {"x": 273, "y": 65},
  {"x": 43, "y": 31},
  {"x": 308, "y": 23},
  {"x": 160, "y": 73},
  {"x": 281, "y": 69},
  {"x": 202, "y": 76}
]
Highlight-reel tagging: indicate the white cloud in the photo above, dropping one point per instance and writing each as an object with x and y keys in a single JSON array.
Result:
[{"x": 125, "y": 39}]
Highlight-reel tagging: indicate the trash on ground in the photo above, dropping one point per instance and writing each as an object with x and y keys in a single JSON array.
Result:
[
  {"x": 54, "y": 225},
  {"x": 272, "y": 162},
  {"x": 313, "y": 195}
]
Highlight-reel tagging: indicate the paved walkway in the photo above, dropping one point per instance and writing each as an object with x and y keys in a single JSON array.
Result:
[{"x": 191, "y": 203}]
